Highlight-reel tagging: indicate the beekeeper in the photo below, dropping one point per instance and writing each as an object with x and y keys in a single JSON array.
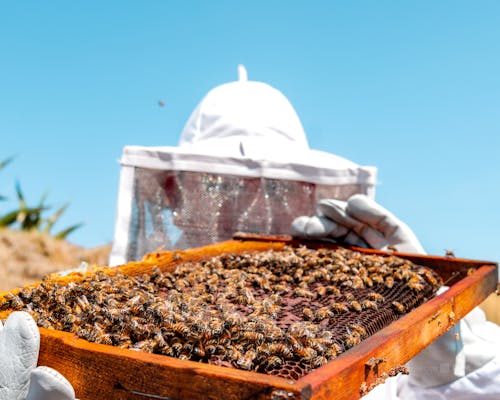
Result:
[{"x": 243, "y": 164}]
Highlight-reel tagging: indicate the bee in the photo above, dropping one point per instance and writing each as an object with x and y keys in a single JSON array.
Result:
[
  {"x": 334, "y": 290},
  {"x": 274, "y": 362},
  {"x": 349, "y": 296},
  {"x": 389, "y": 282},
  {"x": 280, "y": 288},
  {"x": 308, "y": 313},
  {"x": 429, "y": 276},
  {"x": 83, "y": 303},
  {"x": 416, "y": 286},
  {"x": 400, "y": 308},
  {"x": 280, "y": 349},
  {"x": 179, "y": 328},
  {"x": 375, "y": 297},
  {"x": 15, "y": 302},
  {"x": 376, "y": 278},
  {"x": 303, "y": 293},
  {"x": 352, "y": 339},
  {"x": 339, "y": 307},
  {"x": 333, "y": 351},
  {"x": 318, "y": 361},
  {"x": 369, "y": 304},
  {"x": 253, "y": 336},
  {"x": 367, "y": 281},
  {"x": 358, "y": 329},
  {"x": 321, "y": 290},
  {"x": 306, "y": 354},
  {"x": 449, "y": 253},
  {"x": 144, "y": 345},
  {"x": 357, "y": 282},
  {"x": 322, "y": 313},
  {"x": 355, "y": 305},
  {"x": 246, "y": 361}
]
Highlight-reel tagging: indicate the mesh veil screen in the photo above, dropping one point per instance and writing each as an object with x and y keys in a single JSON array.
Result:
[{"x": 178, "y": 209}]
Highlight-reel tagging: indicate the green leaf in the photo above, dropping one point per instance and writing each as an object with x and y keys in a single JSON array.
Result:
[
  {"x": 67, "y": 231},
  {"x": 54, "y": 218},
  {"x": 9, "y": 218}
]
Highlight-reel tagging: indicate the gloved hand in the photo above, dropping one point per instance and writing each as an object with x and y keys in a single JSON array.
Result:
[
  {"x": 360, "y": 222},
  {"x": 20, "y": 379},
  {"x": 462, "y": 350}
]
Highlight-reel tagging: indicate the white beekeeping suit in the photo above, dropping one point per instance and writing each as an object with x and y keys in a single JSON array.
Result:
[{"x": 242, "y": 164}]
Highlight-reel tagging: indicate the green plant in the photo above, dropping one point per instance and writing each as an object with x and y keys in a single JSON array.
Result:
[{"x": 28, "y": 218}]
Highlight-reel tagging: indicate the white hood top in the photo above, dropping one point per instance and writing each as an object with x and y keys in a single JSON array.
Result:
[{"x": 250, "y": 129}]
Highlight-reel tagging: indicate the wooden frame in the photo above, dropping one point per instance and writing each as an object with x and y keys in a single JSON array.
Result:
[{"x": 99, "y": 371}]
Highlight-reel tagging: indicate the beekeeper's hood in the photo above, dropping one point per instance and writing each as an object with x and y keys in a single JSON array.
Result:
[
  {"x": 242, "y": 164},
  {"x": 249, "y": 128}
]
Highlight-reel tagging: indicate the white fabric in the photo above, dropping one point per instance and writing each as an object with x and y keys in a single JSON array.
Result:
[
  {"x": 19, "y": 348},
  {"x": 360, "y": 221},
  {"x": 241, "y": 129}
]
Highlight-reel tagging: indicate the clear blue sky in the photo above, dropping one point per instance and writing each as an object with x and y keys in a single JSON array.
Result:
[{"x": 410, "y": 87}]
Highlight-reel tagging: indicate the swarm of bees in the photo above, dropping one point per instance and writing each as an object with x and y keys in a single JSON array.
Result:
[{"x": 277, "y": 312}]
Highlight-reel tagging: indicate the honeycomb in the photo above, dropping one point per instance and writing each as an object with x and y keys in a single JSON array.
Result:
[{"x": 282, "y": 312}]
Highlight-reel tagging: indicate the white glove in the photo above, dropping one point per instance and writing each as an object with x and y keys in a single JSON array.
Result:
[
  {"x": 361, "y": 222},
  {"x": 459, "y": 352},
  {"x": 20, "y": 379}
]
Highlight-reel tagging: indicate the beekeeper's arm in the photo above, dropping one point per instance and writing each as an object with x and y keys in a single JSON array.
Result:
[
  {"x": 20, "y": 378},
  {"x": 464, "y": 363}
]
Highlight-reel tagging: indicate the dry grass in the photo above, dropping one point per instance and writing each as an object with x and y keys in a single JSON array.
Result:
[{"x": 26, "y": 257}]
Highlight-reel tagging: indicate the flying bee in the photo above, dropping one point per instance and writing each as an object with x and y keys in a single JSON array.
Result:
[{"x": 400, "y": 308}]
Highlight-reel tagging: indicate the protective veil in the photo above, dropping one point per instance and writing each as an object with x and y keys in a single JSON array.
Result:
[{"x": 243, "y": 164}]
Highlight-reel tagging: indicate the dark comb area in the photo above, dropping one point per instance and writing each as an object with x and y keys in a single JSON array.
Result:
[{"x": 283, "y": 313}]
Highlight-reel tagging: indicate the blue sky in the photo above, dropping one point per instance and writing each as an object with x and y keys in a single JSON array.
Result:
[{"x": 410, "y": 87}]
